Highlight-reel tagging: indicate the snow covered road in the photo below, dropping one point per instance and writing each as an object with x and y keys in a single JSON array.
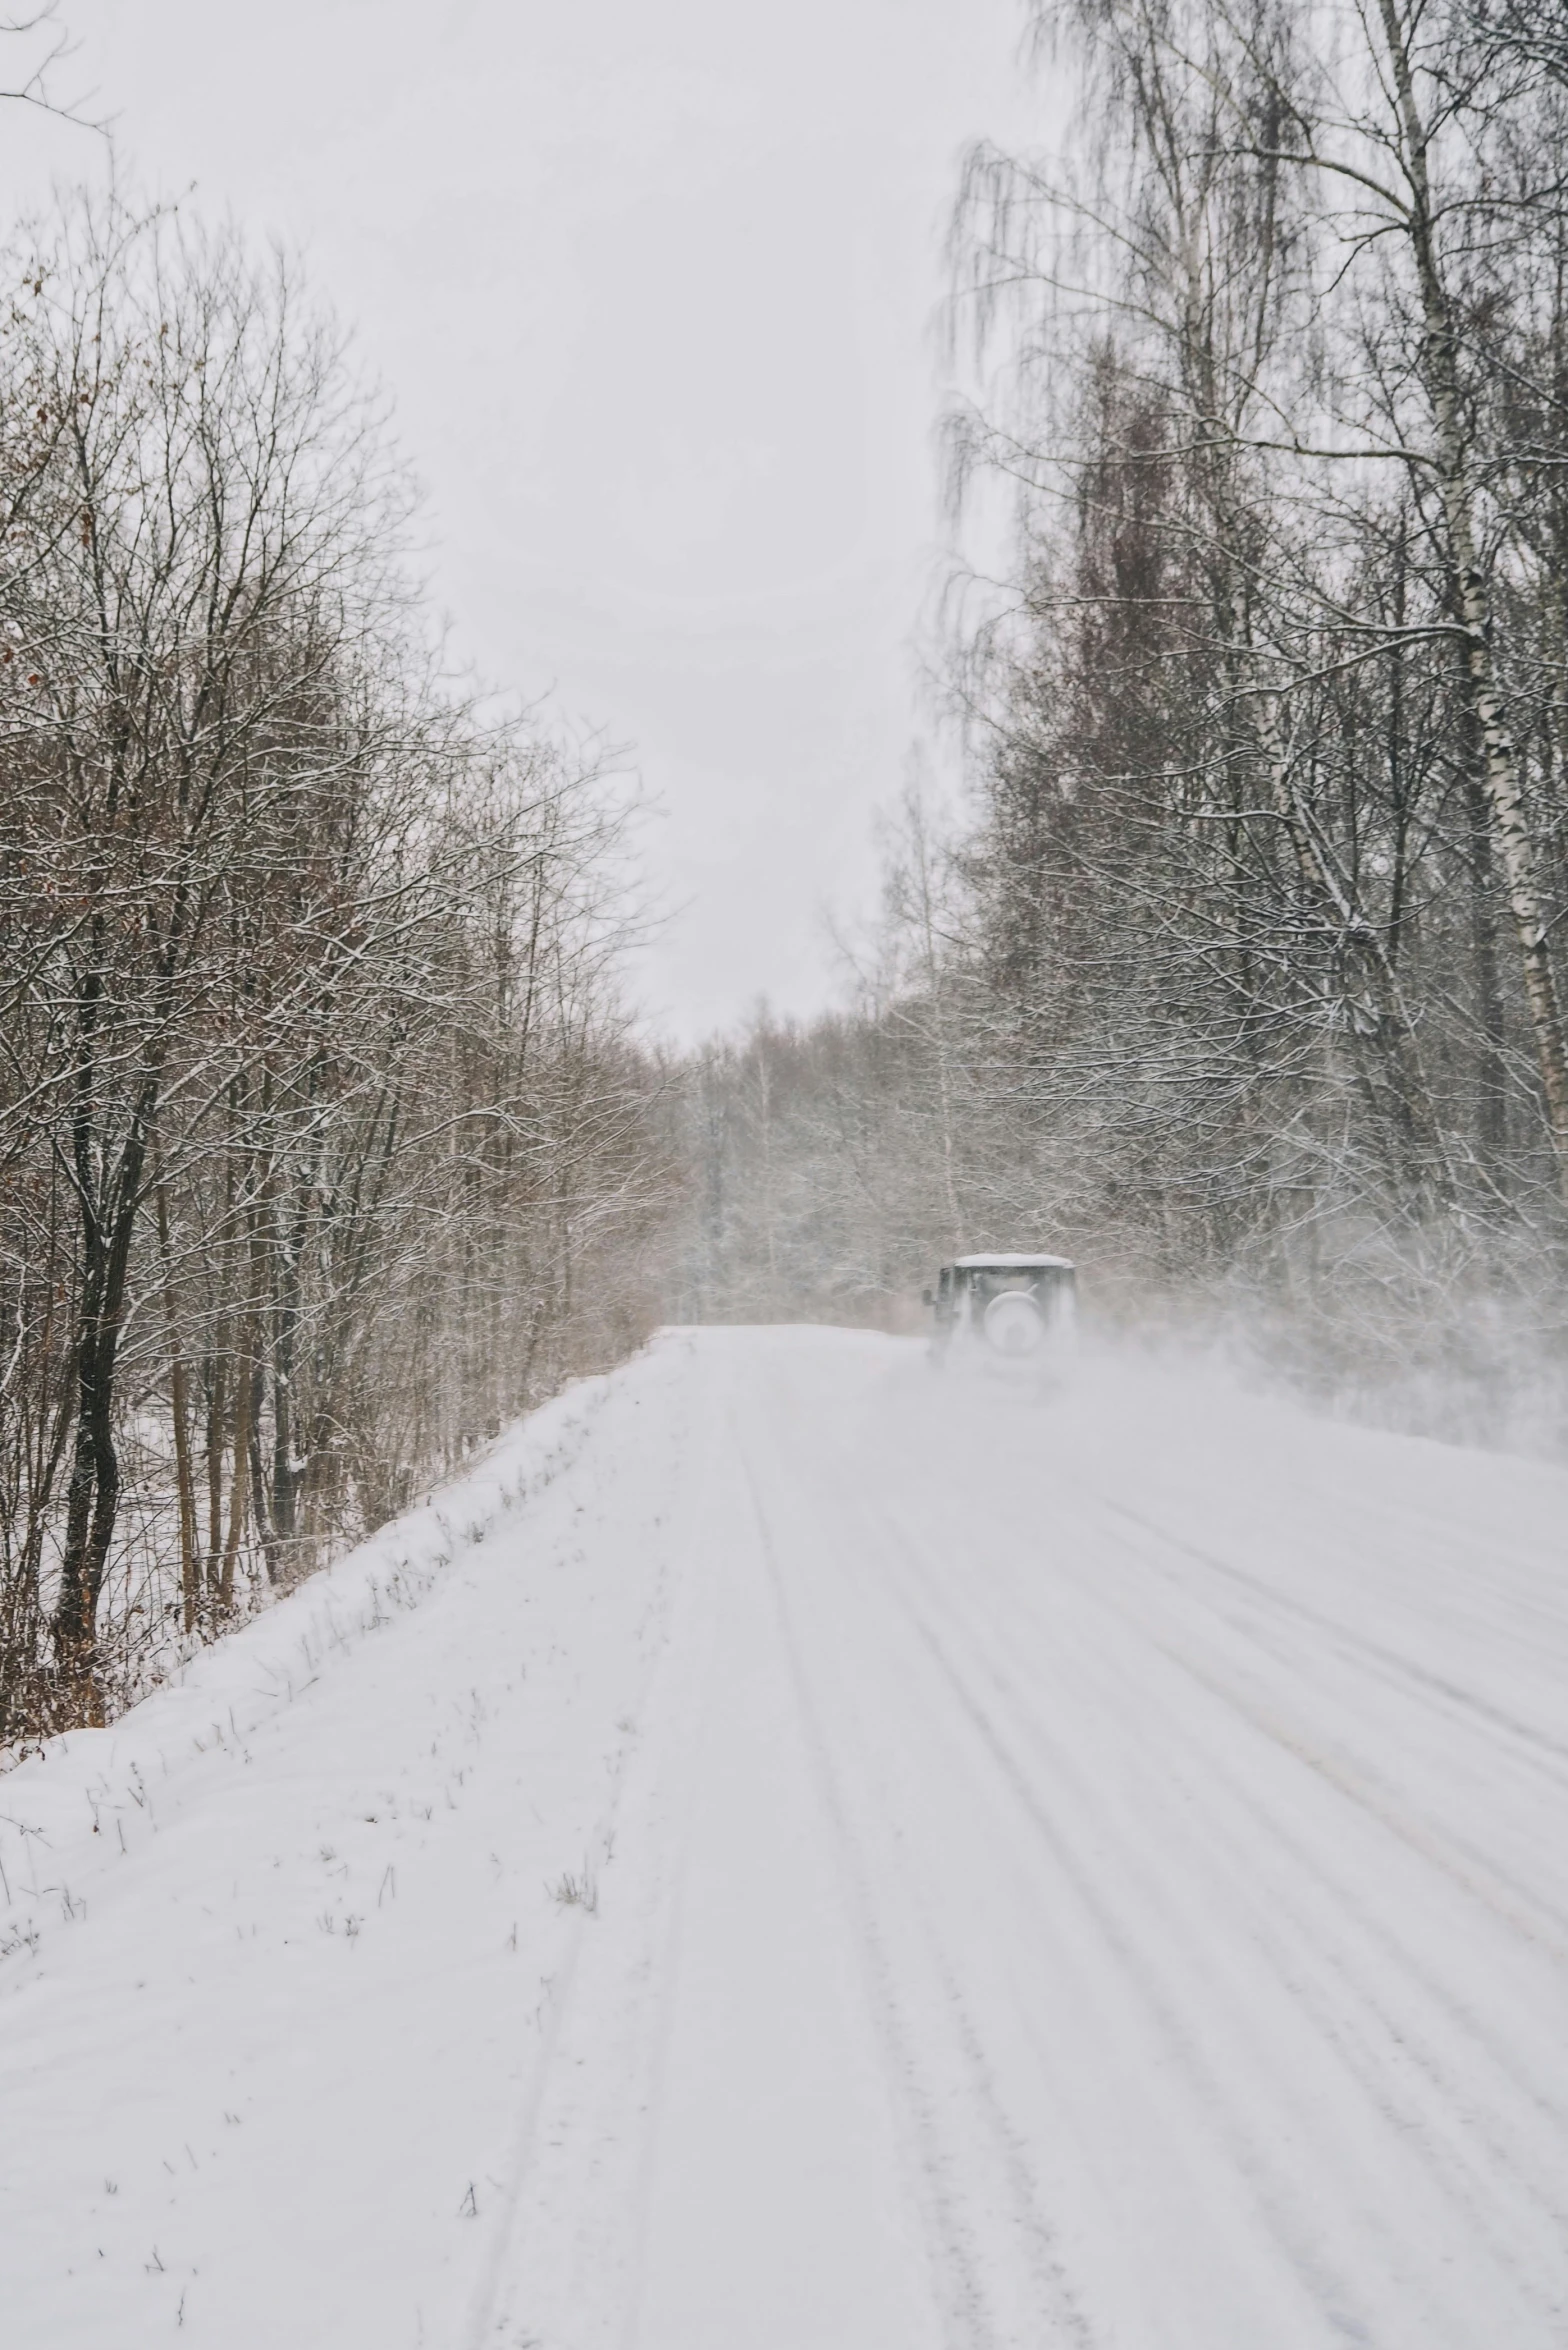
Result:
[{"x": 799, "y": 1854}]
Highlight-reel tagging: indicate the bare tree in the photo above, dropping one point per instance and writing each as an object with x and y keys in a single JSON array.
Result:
[{"x": 328, "y": 1145}]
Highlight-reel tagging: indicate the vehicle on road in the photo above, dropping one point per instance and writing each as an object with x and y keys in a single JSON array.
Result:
[{"x": 1009, "y": 1312}]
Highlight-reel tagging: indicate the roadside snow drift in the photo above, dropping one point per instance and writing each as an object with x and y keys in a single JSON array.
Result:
[{"x": 796, "y": 1853}]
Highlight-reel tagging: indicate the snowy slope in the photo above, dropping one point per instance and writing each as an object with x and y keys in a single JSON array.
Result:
[{"x": 1085, "y": 1873}]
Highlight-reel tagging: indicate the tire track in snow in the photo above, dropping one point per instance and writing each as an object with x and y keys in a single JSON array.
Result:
[
  {"x": 568, "y": 2254},
  {"x": 1244, "y": 2147},
  {"x": 966, "y": 2295},
  {"x": 1520, "y": 1904},
  {"x": 1182, "y": 2056},
  {"x": 969, "y": 2322},
  {"x": 1448, "y": 1696},
  {"x": 965, "y": 1629},
  {"x": 1520, "y": 1746},
  {"x": 1457, "y": 2171},
  {"x": 1245, "y": 2156}
]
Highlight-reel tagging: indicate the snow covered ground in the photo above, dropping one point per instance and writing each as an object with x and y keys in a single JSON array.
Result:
[{"x": 797, "y": 1853}]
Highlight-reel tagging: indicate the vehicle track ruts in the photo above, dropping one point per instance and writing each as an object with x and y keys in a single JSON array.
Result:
[
  {"x": 1462, "y": 2166},
  {"x": 968, "y": 2287},
  {"x": 1367, "y": 2036}
]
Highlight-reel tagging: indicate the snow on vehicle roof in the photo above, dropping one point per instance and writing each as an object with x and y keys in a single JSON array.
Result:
[{"x": 1010, "y": 1264}]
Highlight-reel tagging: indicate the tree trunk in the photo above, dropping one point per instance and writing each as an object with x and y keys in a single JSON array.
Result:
[
  {"x": 217, "y": 1400},
  {"x": 239, "y": 1484},
  {"x": 179, "y": 1405},
  {"x": 1500, "y": 774},
  {"x": 94, "y": 1494}
]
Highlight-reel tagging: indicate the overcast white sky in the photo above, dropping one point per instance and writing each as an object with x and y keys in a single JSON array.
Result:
[{"x": 652, "y": 284}]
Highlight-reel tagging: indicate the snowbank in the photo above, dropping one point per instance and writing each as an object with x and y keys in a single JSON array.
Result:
[{"x": 84, "y": 1796}]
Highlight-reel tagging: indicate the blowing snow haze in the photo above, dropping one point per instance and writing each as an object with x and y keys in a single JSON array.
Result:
[{"x": 706, "y": 1645}]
